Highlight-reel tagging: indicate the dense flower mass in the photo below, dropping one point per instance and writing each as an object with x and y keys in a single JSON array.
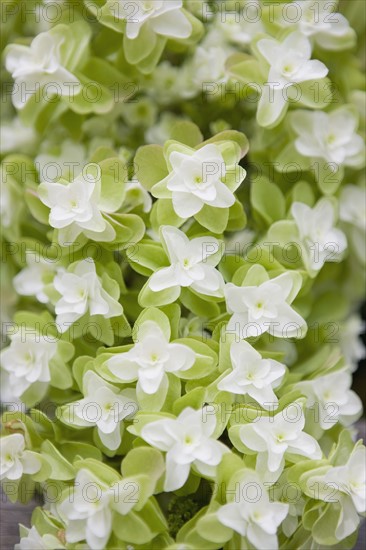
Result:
[{"x": 183, "y": 237}]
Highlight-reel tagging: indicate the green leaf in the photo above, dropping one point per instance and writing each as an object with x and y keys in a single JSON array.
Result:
[{"x": 150, "y": 165}]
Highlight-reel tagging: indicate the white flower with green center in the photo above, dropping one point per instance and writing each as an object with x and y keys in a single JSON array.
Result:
[
  {"x": 90, "y": 511},
  {"x": 252, "y": 514},
  {"x": 103, "y": 406},
  {"x": 38, "y": 65},
  {"x": 188, "y": 441},
  {"x": 192, "y": 264},
  {"x": 31, "y": 280},
  {"x": 352, "y": 211},
  {"x": 77, "y": 207},
  {"x": 27, "y": 360},
  {"x": 290, "y": 65},
  {"x": 319, "y": 22},
  {"x": 252, "y": 375},
  {"x": 32, "y": 540},
  {"x": 275, "y": 438},
  {"x": 196, "y": 180},
  {"x": 344, "y": 485},
  {"x": 320, "y": 240},
  {"x": 150, "y": 359},
  {"x": 82, "y": 292},
  {"x": 265, "y": 308},
  {"x": 15, "y": 459},
  {"x": 331, "y": 399},
  {"x": 328, "y": 136},
  {"x": 162, "y": 17}
]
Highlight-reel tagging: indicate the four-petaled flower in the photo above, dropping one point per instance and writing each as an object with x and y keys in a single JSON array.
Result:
[
  {"x": 290, "y": 65},
  {"x": 258, "y": 309},
  {"x": 161, "y": 17},
  {"x": 15, "y": 459},
  {"x": 328, "y": 136},
  {"x": 150, "y": 359},
  {"x": 90, "y": 512},
  {"x": 198, "y": 179},
  {"x": 77, "y": 207},
  {"x": 321, "y": 241},
  {"x": 192, "y": 264},
  {"x": 187, "y": 440},
  {"x": 81, "y": 292},
  {"x": 252, "y": 375},
  {"x": 27, "y": 360},
  {"x": 38, "y": 65},
  {"x": 103, "y": 406},
  {"x": 252, "y": 514},
  {"x": 276, "y": 437}
]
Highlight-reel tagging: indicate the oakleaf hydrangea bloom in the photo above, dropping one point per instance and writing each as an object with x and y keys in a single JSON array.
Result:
[
  {"x": 351, "y": 344},
  {"x": 80, "y": 292},
  {"x": 331, "y": 399},
  {"x": 188, "y": 441},
  {"x": 290, "y": 65},
  {"x": 198, "y": 178},
  {"x": 31, "y": 280},
  {"x": 265, "y": 308},
  {"x": 328, "y": 136},
  {"x": 279, "y": 436},
  {"x": 103, "y": 406},
  {"x": 32, "y": 540},
  {"x": 90, "y": 511},
  {"x": 27, "y": 360},
  {"x": 15, "y": 459},
  {"x": 321, "y": 241},
  {"x": 318, "y": 21},
  {"x": 77, "y": 207},
  {"x": 254, "y": 516},
  {"x": 150, "y": 359},
  {"x": 40, "y": 64},
  {"x": 252, "y": 375},
  {"x": 192, "y": 264}
]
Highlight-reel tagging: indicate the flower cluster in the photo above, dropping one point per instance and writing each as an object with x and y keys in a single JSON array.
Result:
[{"x": 183, "y": 222}]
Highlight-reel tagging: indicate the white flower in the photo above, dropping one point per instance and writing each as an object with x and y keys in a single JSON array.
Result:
[
  {"x": 192, "y": 264},
  {"x": 196, "y": 180},
  {"x": 162, "y": 17},
  {"x": 319, "y": 22},
  {"x": 90, "y": 512},
  {"x": 265, "y": 308},
  {"x": 82, "y": 292},
  {"x": 31, "y": 280},
  {"x": 15, "y": 136},
  {"x": 34, "y": 541},
  {"x": 279, "y": 436},
  {"x": 331, "y": 400},
  {"x": 290, "y": 64},
  {"x": 352, "y": 211},
  {"x": 351, "y": 478},
  {"x": 15, "y": 460},
  {"x": 252, "y": 375},
  {"x": 328, "y": 136},
  {"x": 351, "y": 344},
  {"x": 187, "y": 441},
  {"x": 345, "y": 485},
  {"x": 150, "y": 359},
  {"x": 27, "y": 360},
  {"x": 76, "y": 207},
  {"x": 104, "y": 406},
  {"x": 208, "y": 66},
  {"x": 240, "y": 29},
  {"x": 321, "y": 241},
  {"x": 252, "y": 514},
  {"x": 38, "y": 65}
]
